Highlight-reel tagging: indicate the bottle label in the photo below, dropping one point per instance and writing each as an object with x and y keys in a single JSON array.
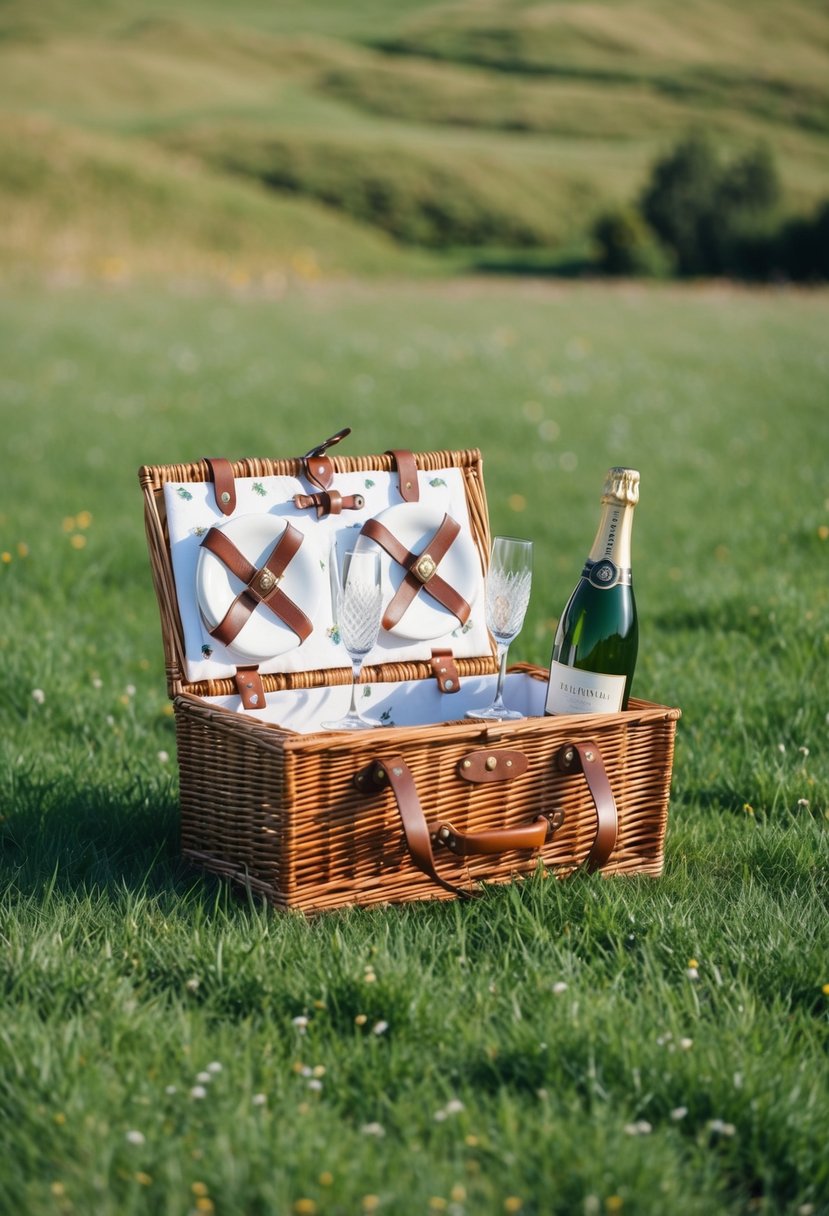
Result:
[
  {"x": 571, "y": 691},
  {"x": 605, "y": 573}
]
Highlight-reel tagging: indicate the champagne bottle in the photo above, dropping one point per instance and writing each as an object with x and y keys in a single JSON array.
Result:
[{"x": 594, "y": 653}]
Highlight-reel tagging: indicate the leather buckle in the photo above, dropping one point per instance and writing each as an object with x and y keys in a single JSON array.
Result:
[{"x": 424, "y": 568}]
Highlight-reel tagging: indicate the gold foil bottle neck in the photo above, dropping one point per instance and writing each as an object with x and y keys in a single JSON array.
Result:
[{"x": 621, "y": 485}]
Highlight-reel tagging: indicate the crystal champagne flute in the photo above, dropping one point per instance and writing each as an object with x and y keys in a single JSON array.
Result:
[
  {"x": 508, "y": 584},
  {"x": 357, "y": 595}
]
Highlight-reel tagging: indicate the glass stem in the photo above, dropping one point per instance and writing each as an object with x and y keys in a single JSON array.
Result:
[
  {"x": 503, "y": 649},
  {"x": 356, "y": 668}
]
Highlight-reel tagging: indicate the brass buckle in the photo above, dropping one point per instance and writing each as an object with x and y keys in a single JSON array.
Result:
[
  {"x": 266, "y": 582},
  {"x": 424, "y": 568}
]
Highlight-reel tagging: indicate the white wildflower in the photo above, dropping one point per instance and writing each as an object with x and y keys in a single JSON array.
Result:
[
  {"x": 640, "y": 1128},
  {"x": 686, "y": 1044},
  {"x": 804, "y": 751},
  {"x": 679, "y": 1112},
  {"x": 171, "y": 1089},
  {"x": 380, "y": 1027},
  {"x": 97, "y": 682},
  {"x": 130, "y": 690},
  {"x": 38, "y": 695},
  {"x": 163, "y": 757},
  {"x": 315, "y": 1084},
  {"x": 198, "y": 1092},
  {"x": 204, "y": 1078},
  {"x": 440, "y": 1116},
  {"x": 301, "y": 1023},
  {"x": 803, "y": 802},
  {"x": 259, "y": 1099},
  {"x": 192, "y": 984},
  {"x": 135, "y": 1137},
  {"x": 373, "y": 1129},
  {"x": 559, "y": 987},
  {"x": 214, "y": 1066},
  {"x": 692, "y": 973},
  {"x": 454, "y": 1106}
]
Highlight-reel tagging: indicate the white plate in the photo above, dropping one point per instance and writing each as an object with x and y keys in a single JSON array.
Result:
[
  {"x": 263, "y": 635},
  {"x": 413, "y": 525}
]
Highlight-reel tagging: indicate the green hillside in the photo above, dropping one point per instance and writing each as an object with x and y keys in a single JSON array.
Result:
[{"x": 329, "y": 137}]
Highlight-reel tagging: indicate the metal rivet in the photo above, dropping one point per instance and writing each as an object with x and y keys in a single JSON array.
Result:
[
  {"x": 359, "y": 501},
  {"x": 509, "y": 764},
  {"x": 225, "y": 497},
  {"x": 408, "y": 485},
  {"x": 398, "y": 772},
  {"x": 467, "y": 764},
  {"x": 588, "y": 755},
  {"x": 445, "y": 833},
  {"x": 380, "y": 774},
  {"x": 450, "y": 683},
  {"x": 491, "y": 762},
  {"x": 320, "y": 468}
]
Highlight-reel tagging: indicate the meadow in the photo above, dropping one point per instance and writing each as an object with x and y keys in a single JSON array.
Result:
[
  {"x": 233, "y": 232},
  {"x": 588, "y": 1046}
]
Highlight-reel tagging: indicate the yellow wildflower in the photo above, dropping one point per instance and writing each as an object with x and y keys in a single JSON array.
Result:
[
  {"x": 199, "y": 1188},
  {"x": 77, "y": 541},
  {"x": 513, "y": 1204},
  {"x": 5, "y": 557}
]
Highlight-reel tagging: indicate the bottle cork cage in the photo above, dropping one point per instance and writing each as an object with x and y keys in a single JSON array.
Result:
[{"x": 428, "y": 806}]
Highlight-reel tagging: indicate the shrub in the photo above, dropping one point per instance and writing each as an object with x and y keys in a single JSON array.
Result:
[
  {"x": 627, "y": 245},
  {"x": 716, "y": 218}
]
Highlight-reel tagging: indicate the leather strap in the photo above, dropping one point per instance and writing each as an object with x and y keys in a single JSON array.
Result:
[
  {"x": 319, "y": 469},
  {"x": 250, "y": 688},
  {"x": 414, "y": 582},
  {"x": 262, "y": 585},
  {"x": 406, "y": 466},
  {"x": 396, "y": 773},
  {"x": 445, "y": 671},
  {"x": 588, "y": 758},
  {"x": 224, "y": 486},
  {"x": 329, "y": 502}
]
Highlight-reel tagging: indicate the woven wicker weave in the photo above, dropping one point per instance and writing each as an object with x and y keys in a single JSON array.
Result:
[{"x": 280, "y": 813}]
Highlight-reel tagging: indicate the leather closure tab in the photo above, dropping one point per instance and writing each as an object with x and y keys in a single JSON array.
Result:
[
  {"x": 319, "y": 469},
  {"x": 329, "y": 502},
  {"x": 445, "y": 671},
  {"x": 406, "y": 474},
  {"x": 249, "y": 686},
  {"x": 224, "y": 486},
  {"x": 586, "y": 757},
  {"x": 424, "y": 568},
  {"x": 492, "y": 766}
]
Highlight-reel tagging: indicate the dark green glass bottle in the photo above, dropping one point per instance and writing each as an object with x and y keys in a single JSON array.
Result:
[{"x": 597, "y": 639}]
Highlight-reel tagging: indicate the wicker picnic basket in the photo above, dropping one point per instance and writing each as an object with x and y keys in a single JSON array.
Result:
[{"x": 316, "y": 820}]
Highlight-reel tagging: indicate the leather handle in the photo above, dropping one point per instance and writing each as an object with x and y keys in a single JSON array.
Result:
[
  {"x": 393, "y": 771},
  {"x": 586, "y": 757},
  {"x": 500, "y": 840}
]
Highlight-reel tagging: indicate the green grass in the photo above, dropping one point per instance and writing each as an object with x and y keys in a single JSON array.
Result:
[{"x": 125, "y": 975}]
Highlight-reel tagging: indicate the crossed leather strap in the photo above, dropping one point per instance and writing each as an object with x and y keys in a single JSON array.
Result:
[
  {"x": 421, "y": 570},
  {"x": 262, "y": 585},
  {"x": 420, "y": 834}
]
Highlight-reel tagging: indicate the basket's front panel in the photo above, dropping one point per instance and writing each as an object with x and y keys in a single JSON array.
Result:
[
  {"x": 234, "y": 818},
  {"x": 349, "y": 847}
]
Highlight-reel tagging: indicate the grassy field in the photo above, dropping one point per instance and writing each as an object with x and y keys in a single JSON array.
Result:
[
  {"x": 246, "y": 141},
  {"x": 550, "y": 1048}
]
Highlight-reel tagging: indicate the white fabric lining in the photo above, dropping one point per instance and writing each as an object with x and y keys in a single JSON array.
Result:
[
  {"x": 191, "y": 511},
  {"x": 399, "y": 703}
]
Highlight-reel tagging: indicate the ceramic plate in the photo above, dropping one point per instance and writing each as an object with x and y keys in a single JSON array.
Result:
[
  {"x": 263, "y": 636},
  {"x": 414, "y": 524}
]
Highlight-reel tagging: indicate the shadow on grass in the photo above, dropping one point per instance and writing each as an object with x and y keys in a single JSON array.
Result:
[{"x": 82, "y": 838}]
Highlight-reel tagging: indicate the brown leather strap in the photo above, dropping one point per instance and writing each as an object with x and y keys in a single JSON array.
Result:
[
  {"x": 499, "y": 840},
  {"x": 319, "y": 469},
  {"x": 417, "y": 577},
  {"x": 250, "y": 688},
  {"x": 406, "y": 467},
  {"x": 262, "y": 585},
  {"x": 588, "y": 758},
  {"x": 445, "y": 670},
  {"x": 394, "y": 771},
  {"x": 224, "y": 486},
  {"x": 329, "y": 502}
]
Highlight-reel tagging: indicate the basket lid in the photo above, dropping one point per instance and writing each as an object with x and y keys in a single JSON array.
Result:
[{"x": 250, "y": 541}]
